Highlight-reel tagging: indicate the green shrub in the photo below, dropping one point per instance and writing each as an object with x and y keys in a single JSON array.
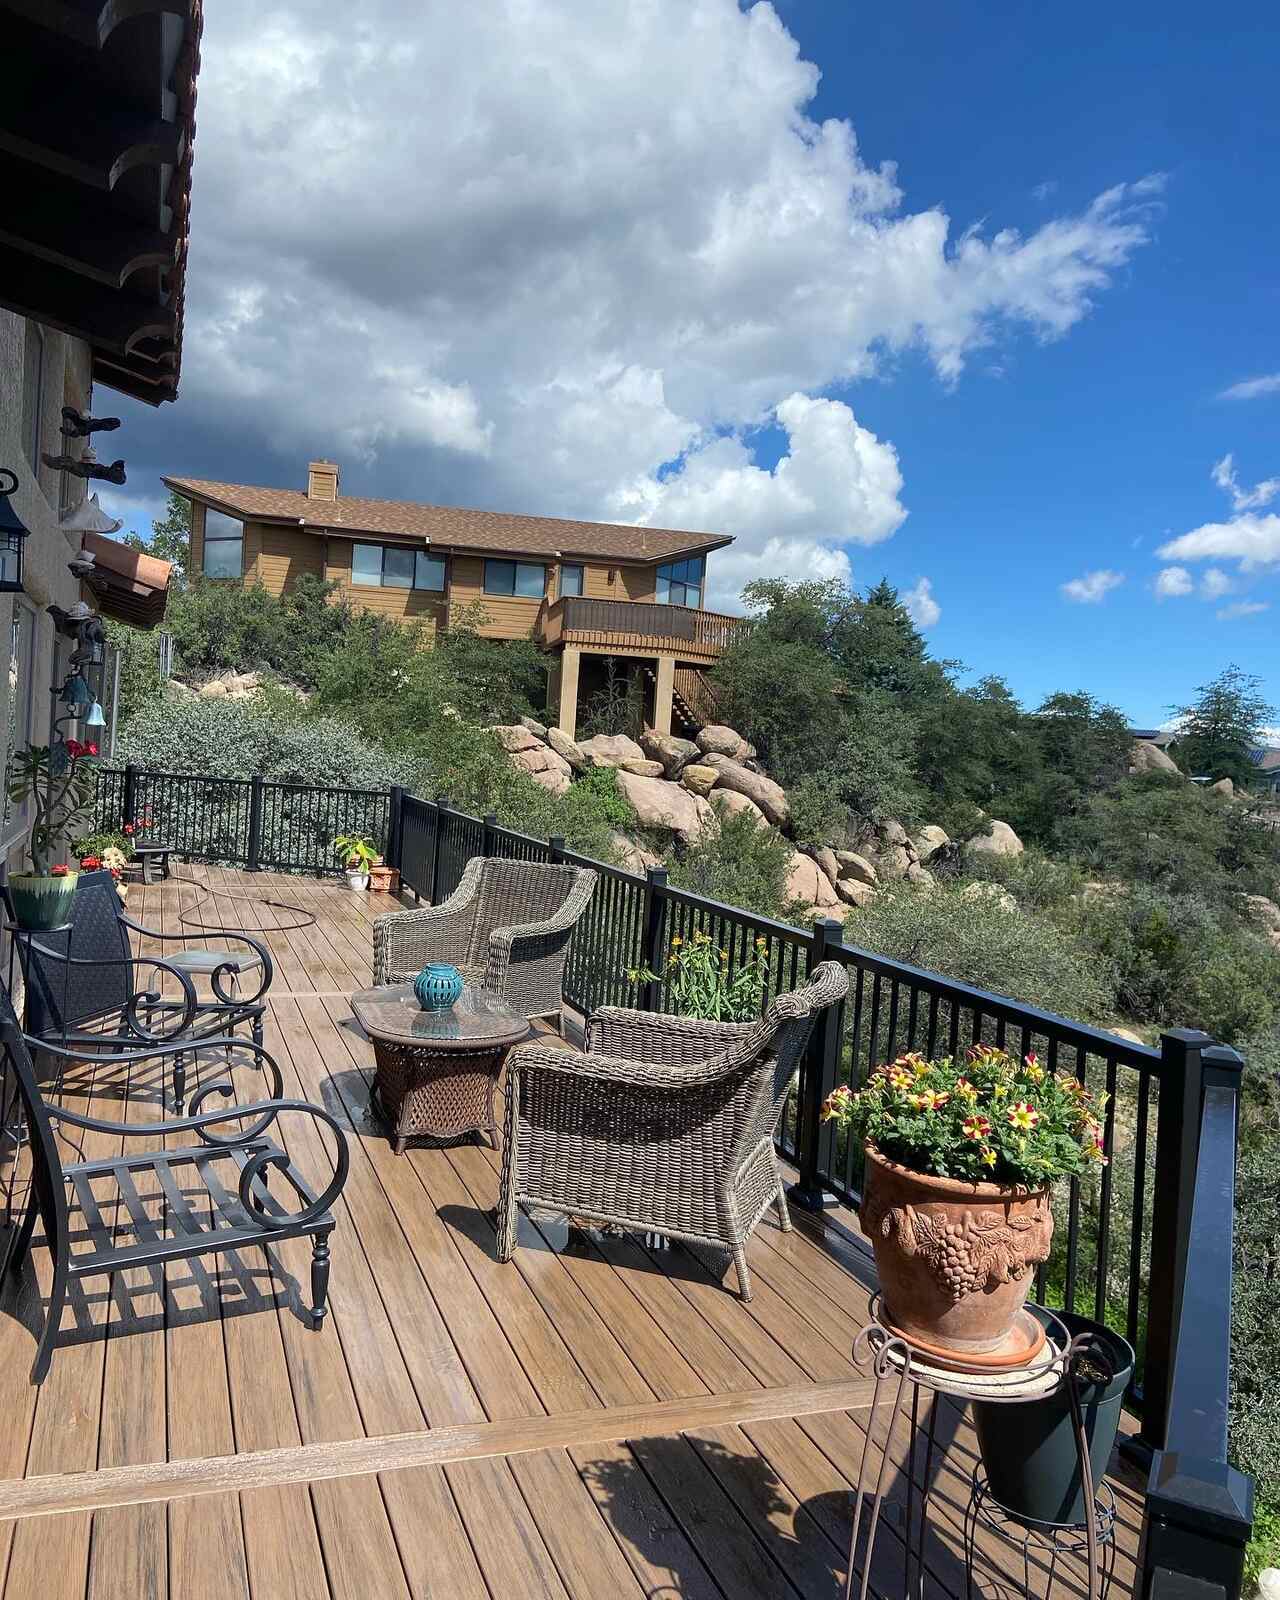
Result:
[
  {"x": 738, "y": 863},
  {"x": 279, "y": 739},
  {"x": 596, "y": 795},
  {"x": 972, "y": 939}
]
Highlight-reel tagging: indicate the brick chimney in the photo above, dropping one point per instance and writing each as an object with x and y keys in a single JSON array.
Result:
[{"x": 322, "y": 480}]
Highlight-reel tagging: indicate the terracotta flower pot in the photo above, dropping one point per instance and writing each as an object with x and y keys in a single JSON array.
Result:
[{"x": 955, "y": 1259}]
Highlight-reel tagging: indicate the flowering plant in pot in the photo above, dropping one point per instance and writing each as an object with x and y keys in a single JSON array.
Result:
[
  {"x": 357, "y": 853},
  {"x": 961, "y": 1160},
  {"x": 59, "y": 781}
]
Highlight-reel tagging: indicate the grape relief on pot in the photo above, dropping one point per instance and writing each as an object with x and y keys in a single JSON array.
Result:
[{"x": 966, "y": 1250}]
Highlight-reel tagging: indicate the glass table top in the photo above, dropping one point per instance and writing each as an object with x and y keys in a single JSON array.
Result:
[{"x": 391, "y": 1011}]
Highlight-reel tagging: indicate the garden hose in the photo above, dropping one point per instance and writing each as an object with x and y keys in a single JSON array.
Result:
[{"x": 207, "y": 889}]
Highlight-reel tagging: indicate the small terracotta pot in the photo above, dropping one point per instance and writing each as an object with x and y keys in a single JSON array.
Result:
[{"x": 955, "y": 1259}]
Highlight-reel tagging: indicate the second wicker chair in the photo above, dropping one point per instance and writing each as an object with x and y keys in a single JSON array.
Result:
[
  {"x": 665, "y": 1125},
  {"x": 507, "y": 926}
]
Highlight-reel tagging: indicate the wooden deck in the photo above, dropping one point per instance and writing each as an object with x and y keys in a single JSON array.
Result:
[{"x": 595, "y": 1419}]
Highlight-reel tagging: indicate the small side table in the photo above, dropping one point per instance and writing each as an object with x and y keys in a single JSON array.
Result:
[
  {"x": 895, "y": 1365},
  {"x": 155, "y": 861},
  {"x": 437, "y": 1071}
]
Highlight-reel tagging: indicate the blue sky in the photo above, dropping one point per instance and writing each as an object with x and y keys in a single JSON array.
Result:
[{"x": 539, "y": 319}]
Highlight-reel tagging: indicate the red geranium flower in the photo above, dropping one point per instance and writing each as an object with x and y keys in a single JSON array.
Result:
[
  {"x": 91, "y": 863},
  {"x": 128, "y": 827},
  {"x": 91, "y": 749},
  {"x": 75, "y": 749},
  {"x": 60, "y": 871}
]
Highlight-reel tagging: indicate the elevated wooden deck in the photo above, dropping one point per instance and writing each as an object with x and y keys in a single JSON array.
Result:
[
  {"x": 595, "y": 1419},
  {"x": 637, "y": 628}
]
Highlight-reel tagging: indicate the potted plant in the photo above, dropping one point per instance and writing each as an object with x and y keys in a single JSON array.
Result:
[
  {"x": 59, "y": 782},
  {"x": 357, "y": 854},
  {"x": 960, "y": 1161},
  {"x": 1029, "y": 1447}
]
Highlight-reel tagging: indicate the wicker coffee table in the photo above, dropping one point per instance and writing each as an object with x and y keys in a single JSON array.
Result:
[{"x": 437, "y": 1071}]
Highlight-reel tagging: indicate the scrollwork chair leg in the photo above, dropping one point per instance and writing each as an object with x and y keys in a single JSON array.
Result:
[
  {"x": 319, "y": 1277},
  {"x": 179, "y": 1082}
]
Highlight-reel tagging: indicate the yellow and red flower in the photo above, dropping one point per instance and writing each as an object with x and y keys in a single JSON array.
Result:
[
  {"x": 987, "y": 1156},
  {"x": 930, "y": 1099},
  {"x": 1023, "y": 1115},
  {"x": 966, "y": 1090},
  {"x": 976, "y": 1127}
]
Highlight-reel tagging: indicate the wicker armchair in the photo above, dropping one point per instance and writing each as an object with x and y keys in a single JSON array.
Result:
[
  {"x": 666, "y": 1124},
  {"x": 506, "y": 926}
]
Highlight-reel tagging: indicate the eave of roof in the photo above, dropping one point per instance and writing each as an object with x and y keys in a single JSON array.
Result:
[
  {"x": 450, "y": 527},
  {"x": 127, "y": 584},
  {"x": 97, "y": 121}
]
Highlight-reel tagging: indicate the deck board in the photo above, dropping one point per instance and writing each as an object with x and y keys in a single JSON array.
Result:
[{"x": 600, "y": 1416}]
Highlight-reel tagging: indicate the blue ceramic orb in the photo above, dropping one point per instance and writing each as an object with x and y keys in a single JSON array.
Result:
[{"x": 437, "y": 986}]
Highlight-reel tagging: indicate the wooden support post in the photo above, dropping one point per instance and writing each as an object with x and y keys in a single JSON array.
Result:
[
  {"x": 567, "y": 710},
  {"x": 663, "y": 694}
]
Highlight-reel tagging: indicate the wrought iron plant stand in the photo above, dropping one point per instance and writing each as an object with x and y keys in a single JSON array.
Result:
[{"x": 897, "y": 1366}]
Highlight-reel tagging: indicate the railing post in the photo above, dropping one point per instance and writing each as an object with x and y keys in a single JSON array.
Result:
[
  {"x": 555, "y": 848},
  {"x": 395, "y": 820},
  {"x": 254, "y": 850},
  {"x": 487, "y": 824},
  {"x": 1173, "y": 1190},
  {"x": 442, "y": 807},
  {"x": 655, "y": 880},
  {"x": 818, "y": 1073},
  {"x": 129, "y": 796},
  {"x": 1198, "y": 1511}
]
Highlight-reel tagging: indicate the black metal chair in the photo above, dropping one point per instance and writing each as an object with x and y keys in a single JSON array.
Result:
[
  {"x": 83, "y": 990},
  {"x": 235, "y": 1206}
]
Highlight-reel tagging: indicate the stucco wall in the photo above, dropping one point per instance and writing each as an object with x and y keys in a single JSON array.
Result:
[{"x": 46, "y": 578}]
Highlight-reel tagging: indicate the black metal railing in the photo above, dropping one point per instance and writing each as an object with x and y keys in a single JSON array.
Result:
[
  {"x": 1145, "y": 1246},
  {"x": 247, "y": 822}
]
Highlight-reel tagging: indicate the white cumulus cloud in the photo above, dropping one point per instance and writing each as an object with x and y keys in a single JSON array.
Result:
[
  {"x": 1253, "y": 388},
  {"x": 836, "y": 483},
  {"x": 921, "y": 606},
  {"x": 1243, "y": 608},
  {"x": 1224, "y": 475},
  {"x": 1251, "y": 540},
  {"x": 1215, "y": 583},
  {"x": 1173, "y": 581},
  {"x": 1093, "y": 587},
  {"x": 528, "y": 255}
]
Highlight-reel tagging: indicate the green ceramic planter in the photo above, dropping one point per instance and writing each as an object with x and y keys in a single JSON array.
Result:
[
  {"x": 41, "y": 901},
  {"x": 1029, "y": 1449}
]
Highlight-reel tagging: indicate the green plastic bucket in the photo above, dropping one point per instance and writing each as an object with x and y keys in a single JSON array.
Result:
[{"x": 1029, "y": 1447}]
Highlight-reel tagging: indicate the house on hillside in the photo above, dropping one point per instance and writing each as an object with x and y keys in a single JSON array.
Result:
[
  {"x": 587, "y": 592},
  {"x": 1266, "y": 761},
  {"x": 96, "y": 128}
]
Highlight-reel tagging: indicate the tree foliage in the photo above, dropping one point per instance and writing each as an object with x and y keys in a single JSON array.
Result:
[{"x": 1221, "y": 725}]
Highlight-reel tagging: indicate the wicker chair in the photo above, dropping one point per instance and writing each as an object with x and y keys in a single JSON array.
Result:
[
  {"x": 665, "y": 1125},
  {"x": 506, "y": 926}
]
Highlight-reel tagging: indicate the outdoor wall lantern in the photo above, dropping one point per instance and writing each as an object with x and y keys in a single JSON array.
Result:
[{"x": 13, "y": 534}]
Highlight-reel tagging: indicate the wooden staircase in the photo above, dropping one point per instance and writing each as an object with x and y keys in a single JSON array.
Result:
[{"x": 693, "y": 700}]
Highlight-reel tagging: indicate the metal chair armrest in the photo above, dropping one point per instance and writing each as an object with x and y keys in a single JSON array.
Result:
[{"x": 235, "y": 934}]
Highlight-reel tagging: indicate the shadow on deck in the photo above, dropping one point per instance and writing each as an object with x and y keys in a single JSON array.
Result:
[{"x": 597, "y": 1418}]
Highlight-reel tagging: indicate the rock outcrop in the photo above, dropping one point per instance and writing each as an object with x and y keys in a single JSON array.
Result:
[
  {"x": 998, "y": 840},
  {"x": 1224, "y": 786},
  {"x": 666, "y": 806},
  {"x": 855, "y": 868},
  {"x": 674, "y": 754},
  {"x": 729, "y": 803},
  {"x": 771, "y": 797},
  {"x": 516, "y": 737},
  {"x": 809, "y": 884},
  {"x": 718, "y": 740},
  {"x": 640, "y": 767},
  {"x": 928, "y": 839},
  {"x": 990, "y": 892},
  {"x": 610, "y": 749},
  {"x": 568, "y": 749},
  {"x": 232, "y": 686},
  {"x": 632, "y": 855},
  {"x": 1147, "y": 757},
  {"x": 699, "y": 779}
]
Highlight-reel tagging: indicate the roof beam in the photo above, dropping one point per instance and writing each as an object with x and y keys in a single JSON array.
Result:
[
  {"x": 91, "y": 22},
  {"x": 113, "y": 319},
  {"x": 69, "y": 226}
]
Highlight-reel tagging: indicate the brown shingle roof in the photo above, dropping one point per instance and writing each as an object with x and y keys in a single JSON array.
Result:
[{"x": 450, "y": 526}]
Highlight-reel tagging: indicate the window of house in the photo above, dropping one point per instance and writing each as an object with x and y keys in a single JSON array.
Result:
[
  {"x": 17, "y": 725},
  {"x": 223, "y": 545},
  {"x": 571, "y": 579},
  {"x": 32, "y": 393},
  {"x": 680, "y": 582},
  {"x": 378, "y": 566},
  {"x": 522, "y": 578}
]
